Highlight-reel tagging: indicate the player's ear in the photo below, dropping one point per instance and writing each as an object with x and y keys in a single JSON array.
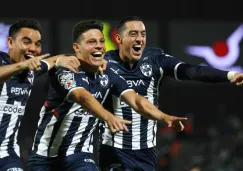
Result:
[
  {"x": 10, "y": 42},
  {"x": 75, "y": 47},
  {"x": 118, "y": 38}
]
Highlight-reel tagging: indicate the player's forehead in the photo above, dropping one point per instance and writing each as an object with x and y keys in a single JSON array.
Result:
[
  {"x": 92, "y": 34},
  {"x": 135, "y": 25},
  {"x": 28, "y": 33}
]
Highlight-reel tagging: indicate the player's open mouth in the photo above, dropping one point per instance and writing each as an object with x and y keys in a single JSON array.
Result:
[
  {"x": 28, "y": 56},
  {"x": 137, "y": 49},
  {"x": 97, "y": 55}
]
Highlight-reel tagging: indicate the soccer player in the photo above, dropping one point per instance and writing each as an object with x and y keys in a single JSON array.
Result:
[
  {"x": 18, "y": 68},
  {"x": 143, "y": 68},
  {"x": 71, "y": 112}
]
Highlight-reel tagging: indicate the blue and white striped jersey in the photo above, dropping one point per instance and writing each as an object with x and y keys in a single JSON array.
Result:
[
  {"x": 144, "y": 78},
  {"x": 14, "y": 94},
  {"x": 65, "y": 127}
]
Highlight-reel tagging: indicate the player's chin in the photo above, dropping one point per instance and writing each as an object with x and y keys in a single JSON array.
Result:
[
  {"x": 97, "y": 63},
  {"x": 136, "y": 54},
  {"x": 136, "y": 57}
]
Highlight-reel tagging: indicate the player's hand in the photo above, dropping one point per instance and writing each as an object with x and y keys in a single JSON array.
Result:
[
  {"x": 238, "y": 79},
  {"x": 117, "y": 124},
  {"x": 70, "y": 62},
  {"x": 102, "y": 68},
  {"x": 33, "y": 63},
  {"x": 175, "y": 122}
]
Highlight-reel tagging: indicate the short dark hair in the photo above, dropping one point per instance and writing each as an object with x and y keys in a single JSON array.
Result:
[
  {"x": 24, "y": 23},
  {"x": 84, "y": 26},
  {"x": 121, "y": 24}
]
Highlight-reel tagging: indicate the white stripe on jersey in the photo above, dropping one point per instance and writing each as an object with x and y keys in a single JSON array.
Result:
[
  {"x": 107, "y": 135},
  {"x": 151, "y": 125},
  {"x": 3, "y": 99},
  {"x": 153, "y": 134},
  {"x": 15, "y": 145},
  {"x": 175, "y": 70},
  {"x": 48, "y": 66},
  {"x": 7, "y": 109},
  {"x": 65, "y": 126},
  {"x": 159, "y": 80},
  {"x": 87, "y": 147},
  {"x": 45, "y": 139},
  {"x": 136, "y": 122}
]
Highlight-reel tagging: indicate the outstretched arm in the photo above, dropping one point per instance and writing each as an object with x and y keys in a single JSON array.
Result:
[
  {"x": 142, "y": 106},
  {"x": 90, "y": 104},
  {"x": 67, "y": 61},
  {"x": 183, "y": 71},
  {"x": 7, "y": 71},
  {"x": 202, "y": 73}
]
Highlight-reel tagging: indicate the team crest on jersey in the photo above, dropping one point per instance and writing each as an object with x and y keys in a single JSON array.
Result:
[
  {"x": 67, "y": 80},
  {"x": 146, "y": 69},
  {"x": 104, "y": 81},
  {"x": 31, "y": 76}
]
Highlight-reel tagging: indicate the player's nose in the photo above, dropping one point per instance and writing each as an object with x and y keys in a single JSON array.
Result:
[{"x": 32, "y": 48}]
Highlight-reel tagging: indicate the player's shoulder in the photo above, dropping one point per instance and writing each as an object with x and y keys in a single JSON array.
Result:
[
  {"x": 4, "y": 58},
  {"x": 66, "y": 78},
  {"x": 152, "y": 51},
  {"x": 112, "y": 55},
  {"x": 112, "y": 74},
  {"x": 109, "y": 71},
  {"x": 62, "y": 70},
  {"x": 3, "y": 54},
  {"x": 65, "y": 72}
]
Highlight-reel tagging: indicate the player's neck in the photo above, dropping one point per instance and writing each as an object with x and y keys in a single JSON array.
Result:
[
  {"x": 126, "y": 59},
  {"x": 87, "y": 67},
  {"x": 131, "y": 65},
  {"x": 128, "y": 62},
  {"x": 123, "y": 57}
]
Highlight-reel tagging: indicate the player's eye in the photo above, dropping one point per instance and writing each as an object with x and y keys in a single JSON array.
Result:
[
  {"x": 38, "y": 44},
  {"x": 102, "y": 40},
  {"x": 26, "y": 42},
  {"x": 133, "y": 34},
  {"x": 92, "y": 42}
]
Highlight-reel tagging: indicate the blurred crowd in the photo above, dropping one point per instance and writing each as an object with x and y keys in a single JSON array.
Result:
[{"x": 216, "y": 148}]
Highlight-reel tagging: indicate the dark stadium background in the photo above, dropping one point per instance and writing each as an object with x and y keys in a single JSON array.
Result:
[{"x": 213, "y": 135}]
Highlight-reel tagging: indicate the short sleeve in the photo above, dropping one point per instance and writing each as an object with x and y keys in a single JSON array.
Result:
[{"x": 70, "y": 81}]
